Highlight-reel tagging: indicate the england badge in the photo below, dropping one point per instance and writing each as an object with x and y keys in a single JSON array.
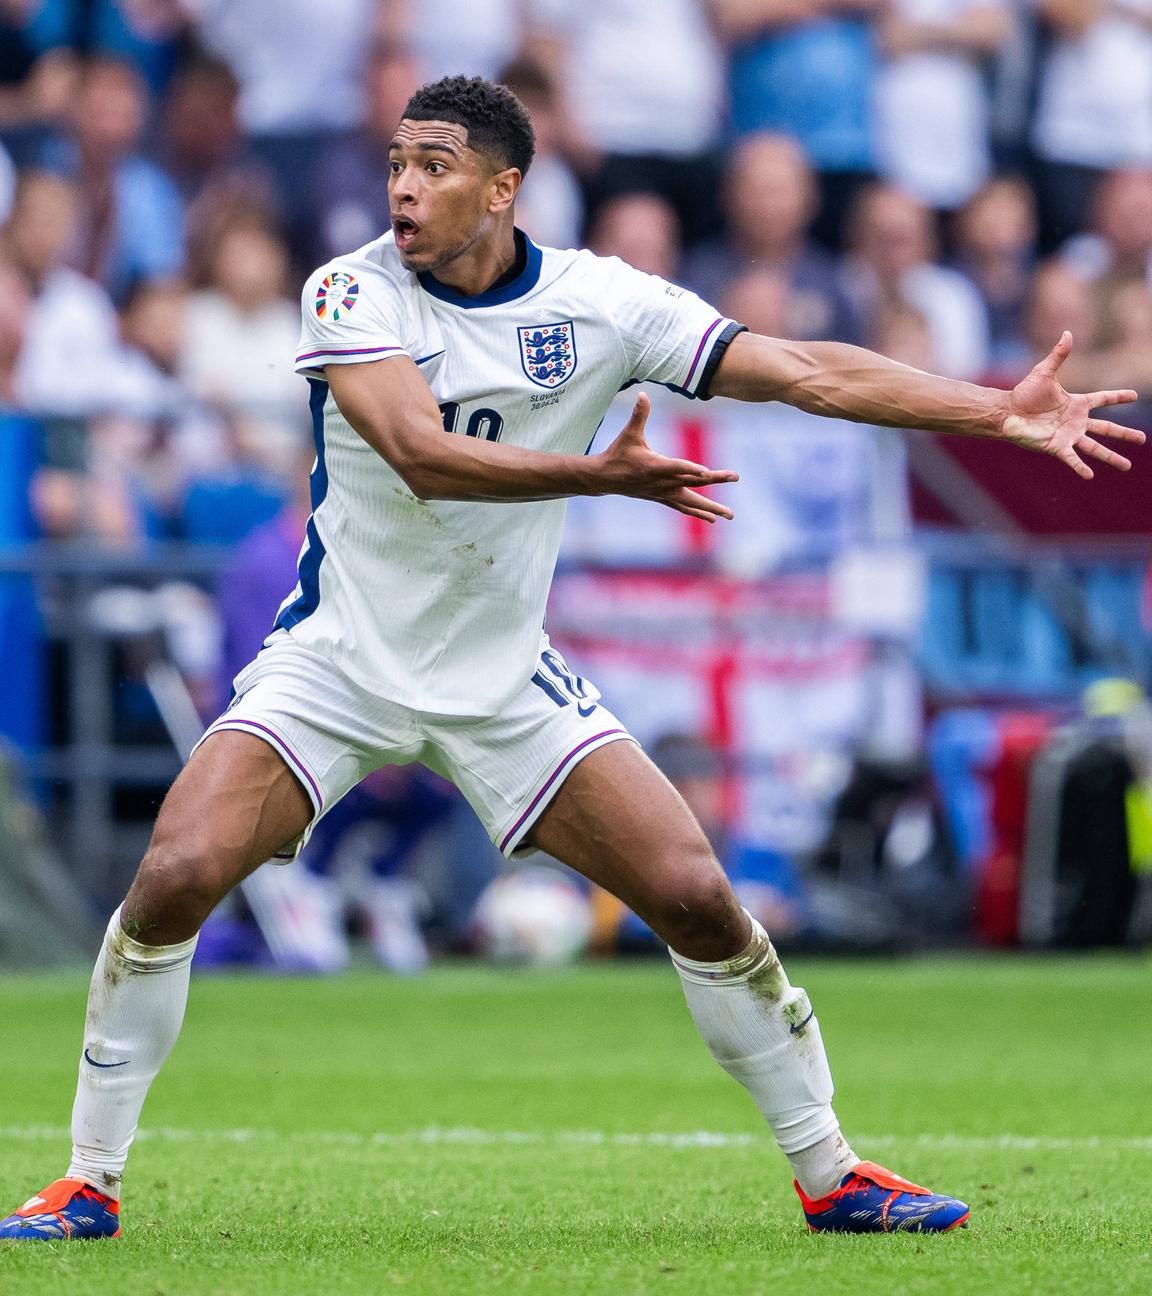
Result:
[{"x": 548, "y": 353}]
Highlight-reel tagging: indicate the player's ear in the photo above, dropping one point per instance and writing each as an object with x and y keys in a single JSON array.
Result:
[{"x": 504, "y": 188}]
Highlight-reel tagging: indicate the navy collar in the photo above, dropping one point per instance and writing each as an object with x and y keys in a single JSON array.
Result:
[{"x": 502, "y": 291}]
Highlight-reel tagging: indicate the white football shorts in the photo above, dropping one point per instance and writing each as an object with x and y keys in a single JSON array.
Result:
[{"x": 332, "y": 733}]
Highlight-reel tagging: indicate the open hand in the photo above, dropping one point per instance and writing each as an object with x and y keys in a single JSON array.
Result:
[
  {"x": 1043, "y": 416},
  {"x": 631, "y": 467}
]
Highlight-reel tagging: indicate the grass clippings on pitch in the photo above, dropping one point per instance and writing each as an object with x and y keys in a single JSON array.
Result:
[{"x": 479, "y": 1131}]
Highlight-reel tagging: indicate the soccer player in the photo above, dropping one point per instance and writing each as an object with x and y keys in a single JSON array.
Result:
[{"x": 458, "y": 374}]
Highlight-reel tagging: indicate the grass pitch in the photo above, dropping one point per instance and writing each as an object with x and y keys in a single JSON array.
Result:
[{"x": 481, "y": 1131}]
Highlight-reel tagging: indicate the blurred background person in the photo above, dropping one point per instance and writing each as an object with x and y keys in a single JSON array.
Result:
[
  {"x": 932, "y": 102},
  {"x": 807, "y": 68},
  {"x": 70, "y": 340},
  {"x": 644, "y": 96},
  {"x": 769, "y": 200},
  {"x": 1117, "y": 252},
  {"x": 300, "y": 68},
  {"x": 202, "y": 147},
  {"x": 995, "y": 247},
  {"x": 549, "y": 205},
  {"x": 892, "y": 258},
  {"x": 348, "y": 190},
  {"x": 239, "y": 343},
  {"x": 447, "y": 38},
  {"x": 1094, "y": 105},
  {"x": 130, "y": 222},
  {"x": 640, "y": 228}
]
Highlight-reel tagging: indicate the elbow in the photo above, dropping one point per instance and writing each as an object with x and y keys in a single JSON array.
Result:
[{"x": 418, "y": 479}]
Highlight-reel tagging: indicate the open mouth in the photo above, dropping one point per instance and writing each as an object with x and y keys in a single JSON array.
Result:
[{"x": 406, "y": 231}]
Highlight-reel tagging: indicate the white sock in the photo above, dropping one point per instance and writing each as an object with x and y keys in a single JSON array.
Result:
[
  {"x": 762, "y": 1031},
  {"x": 135, "y": 1008}
]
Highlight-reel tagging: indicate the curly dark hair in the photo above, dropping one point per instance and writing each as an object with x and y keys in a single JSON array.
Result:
[{"x": 497, "y": 122}]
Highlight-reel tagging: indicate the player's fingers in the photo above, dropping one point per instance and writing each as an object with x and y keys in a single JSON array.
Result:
[
  {"x": 690, "y": 501},
  {"x": 691, "y": 512},
  {"x": 1056, "y": 357},
  {"x": 1073, "y": 460},
  {"x": 694, "y": 474},
  {"x": 1117, "y": 431},
  {"x": 1124, "y": 396},
  {"x": 635, "y": 426},
  {"x": 1102, "y": 454}
]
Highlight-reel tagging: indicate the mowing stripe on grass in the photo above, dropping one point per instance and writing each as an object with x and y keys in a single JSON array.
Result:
[{"x": 595, "y": 1138}]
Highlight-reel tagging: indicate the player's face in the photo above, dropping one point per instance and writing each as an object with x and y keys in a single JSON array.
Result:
[{"x": 442, "y": 194}]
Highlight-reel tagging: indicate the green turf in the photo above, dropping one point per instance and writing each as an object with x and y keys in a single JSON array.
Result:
[{"x": 415, "y": 1091}]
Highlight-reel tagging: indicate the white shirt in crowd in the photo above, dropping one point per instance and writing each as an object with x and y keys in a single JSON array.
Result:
[
  {"x": 439, "y": 605},
  {"x": 473, "y": 39},
  {"x": 951, "y": 305},
  {"x": 71, "y": 349},
  {"x": 241, "y": 361},
  {"x": 641, "y": 79},
  {"x": 1095, "y": 102},
  {"x": 932, "y": 113},
  {"x": 300, "y": 63}
]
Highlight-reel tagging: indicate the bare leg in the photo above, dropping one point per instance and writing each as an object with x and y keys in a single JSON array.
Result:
[
  {"x": 234, "y": 805},
  {"x": 618, "y": 821}
]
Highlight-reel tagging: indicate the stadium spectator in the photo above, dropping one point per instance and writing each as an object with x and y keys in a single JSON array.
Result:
[
  {"x": 239, "y": 344},
  {"x": 130, "y": 220},
  {"x": 1118, "y": 251},
  {"x": 645, "y": 100},
  {"x": 300, "y": 67},
  {"x": 70, "y": 338},
  {"x": 349, "y": 188},
  {"x": 1059, "y": 298},
  {"x": 1063, "y": 299},
  {"x": 15, "y": 306},
  {"x": 902, "y": 333},
  {"x": 640, "y": 228},
  {"x": 932, "y": 104},
  {"x": 892, "y": 260},
  {"x": 549, "y": 206},
  {"x": 995, "y": 235},
  {"x": 154, "y": 434},
  {"x": 808, "y": 68},
  {"x": 1094, "y": 108},
  {"x": 769, "y": 200},
  {"x": 36, "y": 86},
  {"x": 144, "y": 33},
  {"x": 202, "y": 147},
  {"x": 447, "y": 38}
]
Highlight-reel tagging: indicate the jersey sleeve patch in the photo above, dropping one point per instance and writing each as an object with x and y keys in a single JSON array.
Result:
[
  {"x": 345, "y": 321},
  {"x": 336, "y": 295}
]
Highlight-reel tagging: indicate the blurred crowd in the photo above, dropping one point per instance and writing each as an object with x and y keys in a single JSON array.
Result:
[{"x": 951, "y": 182}]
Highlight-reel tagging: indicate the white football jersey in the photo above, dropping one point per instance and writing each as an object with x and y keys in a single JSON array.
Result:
[{"x": 439, "y": 605}]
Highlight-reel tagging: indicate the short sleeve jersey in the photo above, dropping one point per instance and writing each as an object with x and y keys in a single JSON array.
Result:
[{"x": 439, "y": 605}]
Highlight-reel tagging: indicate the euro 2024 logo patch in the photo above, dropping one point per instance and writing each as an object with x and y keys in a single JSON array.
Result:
[
  {"x": 336, "y": 295},
  {"x": 548, "y": 353}
]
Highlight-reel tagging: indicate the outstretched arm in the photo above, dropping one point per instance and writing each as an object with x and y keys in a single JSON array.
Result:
[
  {"x": 392, "y": 408},
  {"x": 848, "y": 382}
]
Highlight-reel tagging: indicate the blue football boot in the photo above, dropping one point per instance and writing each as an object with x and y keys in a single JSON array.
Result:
[
  {"x": 871, "y": 1199},
  {"x": 68, "y": 1208}
]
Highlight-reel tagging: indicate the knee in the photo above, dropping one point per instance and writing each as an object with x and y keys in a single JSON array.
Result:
[
  {"x": 696, "y": 911},
  {"x": 176, "y": 887}
]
